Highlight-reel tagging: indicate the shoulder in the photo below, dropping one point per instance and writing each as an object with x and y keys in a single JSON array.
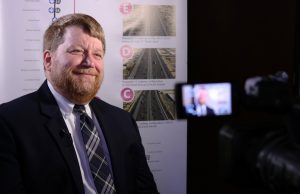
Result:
[
  {"x": 210, "y": 110},
  {"x": 111, "y": 115},
  {"x": 28, "y": 100},
  {"x": 20, "y": 111},
  {"x": 107, "y": 108},
  {"x": 20, "y": 104}
]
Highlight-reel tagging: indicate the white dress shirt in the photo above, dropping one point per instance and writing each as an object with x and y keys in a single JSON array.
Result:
[
  {"x": 201, "y": 110},
  {"x": 72, "y": 122}
]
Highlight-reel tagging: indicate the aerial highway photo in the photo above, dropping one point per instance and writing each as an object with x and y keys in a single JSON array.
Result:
[
  {"x": 149, "y": 105},
  {"x": 150, "y": 20},
  {"x": 150, "y": 63}
]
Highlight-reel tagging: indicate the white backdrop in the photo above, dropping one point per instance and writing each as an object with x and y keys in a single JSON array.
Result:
[{"x": 128, "y": 34}]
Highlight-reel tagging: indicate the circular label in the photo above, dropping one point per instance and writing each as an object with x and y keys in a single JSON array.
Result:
[
  {"x": 127, "y": 94},
  {"x": 126, "y": 51},
  {"x": 125, "y": 8}
]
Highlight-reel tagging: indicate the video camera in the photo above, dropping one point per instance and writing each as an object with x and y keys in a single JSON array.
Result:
[{"x": 260, "y": 146}]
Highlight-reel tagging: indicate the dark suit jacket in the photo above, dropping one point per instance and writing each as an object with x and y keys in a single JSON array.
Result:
[
  {"x": 209, "y": 111},
  {"x": 37, "y": 155}
]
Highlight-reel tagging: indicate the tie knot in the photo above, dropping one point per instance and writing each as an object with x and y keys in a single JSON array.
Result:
[{"x": 79, "y": 109}]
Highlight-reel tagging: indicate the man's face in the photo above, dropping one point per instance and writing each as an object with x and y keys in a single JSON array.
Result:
[
  {"x": 202, "y": 96},
  {"x": 76, "y": 68}
]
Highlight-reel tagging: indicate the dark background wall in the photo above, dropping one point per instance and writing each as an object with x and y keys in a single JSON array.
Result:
[{"x": 232, "y": 40}]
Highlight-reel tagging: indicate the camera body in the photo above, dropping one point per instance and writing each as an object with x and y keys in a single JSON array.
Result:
[
  {"x": 267, "y": 94},
  {"x": 263, "y": 153},
  {"x": 264, "y": 148}
]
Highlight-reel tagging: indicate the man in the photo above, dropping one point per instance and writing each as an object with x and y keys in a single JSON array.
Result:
[
  {"x": 201, "y": 109},
  {"x": 46, "y": 146}
]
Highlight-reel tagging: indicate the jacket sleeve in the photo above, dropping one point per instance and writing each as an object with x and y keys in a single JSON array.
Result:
[{"x": 10, "y": 173}]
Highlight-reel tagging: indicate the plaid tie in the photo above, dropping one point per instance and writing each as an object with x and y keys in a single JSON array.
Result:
[{"x": 98, "y": 163}]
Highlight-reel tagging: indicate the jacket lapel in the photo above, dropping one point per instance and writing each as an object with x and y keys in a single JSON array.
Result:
[{"x": 59, "y": 131}]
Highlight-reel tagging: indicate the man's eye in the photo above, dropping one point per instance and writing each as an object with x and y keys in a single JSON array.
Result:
[
  {"x": 98, "y": 55},
  {"x": 76, "y": 51}
]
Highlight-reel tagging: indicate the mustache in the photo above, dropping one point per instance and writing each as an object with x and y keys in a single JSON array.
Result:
[{"x": 86, "y": 71}]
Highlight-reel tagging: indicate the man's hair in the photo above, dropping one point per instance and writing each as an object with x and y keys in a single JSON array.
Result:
[{"x": 54, "y": 35}]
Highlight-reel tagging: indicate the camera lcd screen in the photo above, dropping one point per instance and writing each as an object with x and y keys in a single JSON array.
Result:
[{"x": 204, "y": 99}]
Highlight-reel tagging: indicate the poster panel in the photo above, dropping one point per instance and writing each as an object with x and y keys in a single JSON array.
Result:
[{"x": 146, "y": 56}]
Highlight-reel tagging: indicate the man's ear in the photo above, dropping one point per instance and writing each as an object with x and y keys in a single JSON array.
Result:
[{"x": 47, "y": 57}]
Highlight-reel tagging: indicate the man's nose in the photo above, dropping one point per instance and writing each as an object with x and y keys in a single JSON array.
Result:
[{"x": 88, "y": 60}]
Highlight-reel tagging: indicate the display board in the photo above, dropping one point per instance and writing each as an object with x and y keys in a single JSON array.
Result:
[{"x": 146, "y": 56}]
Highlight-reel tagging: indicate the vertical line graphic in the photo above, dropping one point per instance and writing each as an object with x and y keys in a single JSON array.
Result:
[{"x": 74, "y": 6}]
